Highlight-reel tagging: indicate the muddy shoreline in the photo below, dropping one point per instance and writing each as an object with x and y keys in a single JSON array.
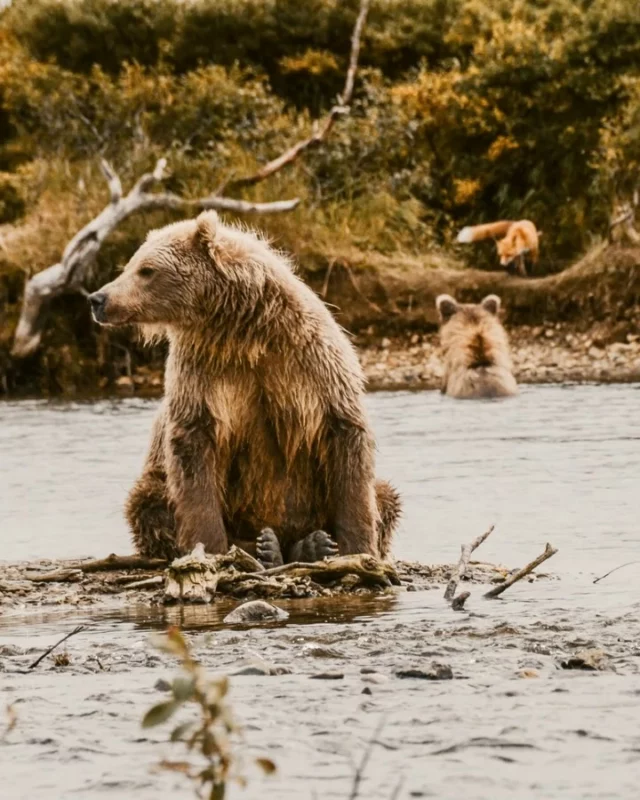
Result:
[
  {"x": 502, "y": 699},
  {"x": 25, "y": 586}
]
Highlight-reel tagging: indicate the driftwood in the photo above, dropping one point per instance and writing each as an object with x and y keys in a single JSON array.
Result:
[
  {"x": 111, "y": 563},
  {"x": 57, "y": 575},
  {"x": 197, "y": 577},
  {"x": 460, "y": 570},
  {"x": 457, "y": 604},
  {"x": 53, "y": 647},
  {"x": 521, "y": 573},
  {"x": 70, "y": 275}
]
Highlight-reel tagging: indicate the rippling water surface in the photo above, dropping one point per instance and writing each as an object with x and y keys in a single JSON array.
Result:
[{"x": 557, "y": 464}]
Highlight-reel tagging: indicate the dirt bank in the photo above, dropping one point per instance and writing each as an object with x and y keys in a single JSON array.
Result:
[{"x": 578, "y": 325}]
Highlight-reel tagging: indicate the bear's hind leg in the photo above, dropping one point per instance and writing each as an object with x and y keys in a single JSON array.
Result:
[
  {"x": 152, "y": 523},
  {"x": 389, "y": 511}
]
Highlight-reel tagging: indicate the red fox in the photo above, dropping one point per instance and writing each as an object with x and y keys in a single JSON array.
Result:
[{"x": 520, "y": 240}]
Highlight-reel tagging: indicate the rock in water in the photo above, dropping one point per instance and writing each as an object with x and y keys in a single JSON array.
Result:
[
  {"x": 255, "y": 612},
  {"x": 437, "y": 672}
]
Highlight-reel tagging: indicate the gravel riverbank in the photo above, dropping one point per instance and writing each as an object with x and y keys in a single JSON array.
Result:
[{"x": 553, "y": 354}]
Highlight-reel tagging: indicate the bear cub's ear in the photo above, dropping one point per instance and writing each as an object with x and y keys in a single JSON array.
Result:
[
  {"x": 491, "y": 303},
  {"x": 206, "y": 229},
  {"x": 446, "y": 306}
]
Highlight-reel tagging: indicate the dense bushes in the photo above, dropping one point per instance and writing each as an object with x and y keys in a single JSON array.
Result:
[{"x": 465, "y": 110}]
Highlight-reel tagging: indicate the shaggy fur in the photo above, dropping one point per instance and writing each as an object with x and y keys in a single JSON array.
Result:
[
  {"x": 477, "y": 361},
  {"x": 263, "y": 423}
]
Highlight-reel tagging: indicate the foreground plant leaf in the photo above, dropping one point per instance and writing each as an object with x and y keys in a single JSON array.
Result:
[
  {"x": 160, "y": 713},
  {"x": 266, "y": 765}
]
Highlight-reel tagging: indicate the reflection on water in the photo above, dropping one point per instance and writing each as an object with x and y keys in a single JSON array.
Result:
[
  {"x": 556, "y": 463},
  {"x": 305, "y": 611}
]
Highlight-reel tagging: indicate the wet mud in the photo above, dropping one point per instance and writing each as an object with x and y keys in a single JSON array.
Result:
[{"x": 511, "y": 711}]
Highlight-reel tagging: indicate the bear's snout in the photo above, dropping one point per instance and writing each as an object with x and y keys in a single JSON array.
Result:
[{"x": 98, "y": 301}]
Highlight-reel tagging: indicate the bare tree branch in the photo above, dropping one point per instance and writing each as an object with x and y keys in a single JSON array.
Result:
[
  {"x": 70, "y": 274},
  {"x": 115, "y": 186},
  {"x": 460, "y": 570},
  {"x": 347, "y": 92},
  {"x": 322, "y": 129},
  {"x": 522, "y": 573}
]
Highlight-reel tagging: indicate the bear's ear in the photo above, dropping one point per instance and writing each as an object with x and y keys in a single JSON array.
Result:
[
  {"x": 491, "y": 303},
  {"x": 206, "y": 229},
  {"x": 446, "y": 306}
]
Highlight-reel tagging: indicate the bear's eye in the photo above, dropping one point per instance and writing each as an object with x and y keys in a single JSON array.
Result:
[{"x": 146, "y": 272}]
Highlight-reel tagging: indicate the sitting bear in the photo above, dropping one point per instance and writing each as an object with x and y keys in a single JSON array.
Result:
[
  {"x": 263, "y": 427},
  {"x": 477, "y": 361}
]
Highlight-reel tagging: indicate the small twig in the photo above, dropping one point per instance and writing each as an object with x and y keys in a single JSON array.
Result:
[
  {"x": 53, "y": 647},
  {"x": 460, "y": 570},
  {"x": 122, "y": 580},
  {"x": 521, "y": 573},
  {"x": 147, "y": 583},
  {"x": 615, "y": 569},
  {"x": 373, "y": 306},
  {"x": 357, "y": 778}
]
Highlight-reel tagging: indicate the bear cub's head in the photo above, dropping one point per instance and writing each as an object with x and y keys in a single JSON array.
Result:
[{"x": 184, "y": 274}]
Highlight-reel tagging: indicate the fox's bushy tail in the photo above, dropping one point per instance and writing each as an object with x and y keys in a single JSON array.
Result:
[{"x": 474, "y": 233}]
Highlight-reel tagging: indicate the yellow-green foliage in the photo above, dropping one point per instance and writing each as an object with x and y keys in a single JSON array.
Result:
[{"x": 465, "y": 111}]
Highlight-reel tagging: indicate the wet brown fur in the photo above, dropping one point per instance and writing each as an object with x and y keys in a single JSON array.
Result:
[
  {"x": 475, "y": 347},
  {"x": 263, "y": 422}
]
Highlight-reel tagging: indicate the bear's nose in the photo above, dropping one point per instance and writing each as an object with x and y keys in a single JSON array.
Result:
[{"x": 98, "y": 301}]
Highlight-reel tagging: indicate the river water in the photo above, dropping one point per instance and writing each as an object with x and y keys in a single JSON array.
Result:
[{"x": 556, "y": 464}]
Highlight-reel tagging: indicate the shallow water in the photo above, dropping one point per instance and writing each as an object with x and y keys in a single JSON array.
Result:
[{"x": 557, "y": 464}]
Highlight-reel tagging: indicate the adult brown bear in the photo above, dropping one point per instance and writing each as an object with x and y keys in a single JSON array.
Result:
[{"x": 263, "y": 424}]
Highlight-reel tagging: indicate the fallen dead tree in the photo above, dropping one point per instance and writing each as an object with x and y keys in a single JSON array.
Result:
[{"x": 71, "y": 274}]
